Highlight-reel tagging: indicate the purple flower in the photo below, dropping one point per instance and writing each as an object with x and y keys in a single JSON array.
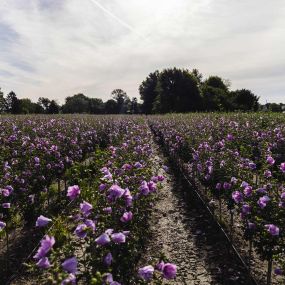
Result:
[
  {"x": 244, "y": 184},
  {"x": 107, "y": 210},
  {"x": 43, "y": 263},
  {"x": 245, "y": 209},
  {"x": 234, "y": 180},
  {"x": 247, "y": 191},
  {"x": 102, "y": 187},
  {"x": 118, "y": 238},
  {"x": 270, "y": 160},
  {"x": 144, "y": 188},
  {"x": 237, "y": 197},
  {"x": 6, "y": 205},
  {"x": 90, "y": 224},
  {"x": 251, "y": 226},
  {"x": 282, "y": 167},
  {"x": 252, "y": 166},
  {"x": 80, "y": 231},
  {"x": 115, "y": 192},
  {"x": 127, "y": 216},
  {"x": 146, "y": 272},
  {"x": 71, "y": 279},
  {"x": 138, "y": 165},
  {"x": 70, "y": 265},
  {"x": 42, "y": 221},
  {"x": 169, "y": 271},
  {"x": 46, "y": 245},
  {"x": 103, "y": 239},
  {"x": 267, "y": 174},
  {"x": 159, "y": 266},
  {"x": 108, "y": 259},
  {"x": 218, "y": 186},
  {"x": 2, "y": 225},
  {"x": 283, "y": 196},
  {"x": 262, "y": 201},
  {"x": 272, "y": 229},
  {"x": 151, "y": 186},
  {"x": 73, "y": 192},
  {"x": 86, "y": 208},
  {"x": 278, "y": 271},
  {"x": 37, "y": 160},
  {"x": 227, "y": 186}
]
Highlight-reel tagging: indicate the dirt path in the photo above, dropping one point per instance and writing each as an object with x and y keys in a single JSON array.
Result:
[{"x": 182, "y": 232}]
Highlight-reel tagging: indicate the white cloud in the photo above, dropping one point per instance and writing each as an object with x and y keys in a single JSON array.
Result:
[{"x": 60, "y": 47}]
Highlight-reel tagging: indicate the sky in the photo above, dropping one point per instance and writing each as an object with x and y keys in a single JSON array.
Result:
[{"x": 57, "y": 48}]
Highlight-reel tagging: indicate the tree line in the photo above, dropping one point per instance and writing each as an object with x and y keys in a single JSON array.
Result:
[
  {"x": 169, "y": 90},
  {"x": 78, "y": 103},
  {"x": 182, "y": 90}
]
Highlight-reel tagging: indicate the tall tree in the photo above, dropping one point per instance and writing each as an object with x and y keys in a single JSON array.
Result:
[
  {"x": 178, "y": 91},
  {"x": 245, "y": 100},
  {"x": 78, "y": 103},
  {"x": 44, "y": 103},
  {"x": 2, "y": 102},
  {"x": 53, "y": 107},
  {"x": 12, "y": 104},
  {"x": 96, "y": 106},
  {"x": 148, "y": 91},
  {"x": 122, "y": 99},
  {"x": 110, "y": 107}
]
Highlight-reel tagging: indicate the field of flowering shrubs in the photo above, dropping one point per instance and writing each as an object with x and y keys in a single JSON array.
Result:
[
  {"x": 76, "y": 192},
  {"x": 237, "y": 162}
]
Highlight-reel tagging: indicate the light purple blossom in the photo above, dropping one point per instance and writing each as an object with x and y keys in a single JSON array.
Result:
[
  {"x": 262, "y": 201},
  {"x": 42, "y": 221},
  {"x": 247, "y": 191},
  {"x": 115, "y": 192},
  {"x": 282, "y": 167},
  {"x": 6, "y": 205},
  {"x": 86, "y": 208},
  {"x": 108, "y": 259},
  {"x": 2, "y": 225},
  {"x": 127, "y": 216},
  {"x": 270, "y": 160},
  {"x": 245, "y": 209},
  {"x": 80, "y": 231},
  {"x": 70, "y": 265},
  {"x": 43, "y": 263},
  {"x": 237, "y": 196},
  {"x": 272, "y": 229},
  {"x": 103, "y": 239},
  {"x": 73, "y": 192},
  {"x": 90, "y": 224},
  {"x": 118, "y": 238},
  {"x": 46, "y": 245},
  {"x": 146, "y": 272},
  {"x": 144, "y": 188}
]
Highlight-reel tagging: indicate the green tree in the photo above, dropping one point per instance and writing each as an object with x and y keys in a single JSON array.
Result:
[
  {"x": 78, "y": 103},
  {"x": 122, "y": 100},
  {"x": 245, "y": 100},
  {"x": 2, "y": 102},
  {"x": 148, "y": 92},
  {"x": 12, "y": 104},
  {"x": 178, "y": 91},
  {"x": 53, "y": 107},
  {"x": 44, "y": 103},
  {"x": 110, "y": 107},
  {"x": 96, "y": 106}
]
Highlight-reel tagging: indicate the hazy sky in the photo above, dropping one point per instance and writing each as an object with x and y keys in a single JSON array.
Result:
[{"x": 56, "y": 48}]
